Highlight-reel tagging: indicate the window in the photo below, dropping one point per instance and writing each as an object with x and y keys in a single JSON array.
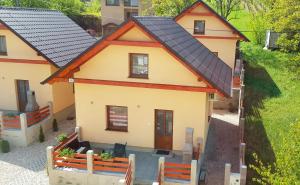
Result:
[
  {"x": 3, "y": 49},
  {"x": 117, "y": 118},
  {"x": 138, "y": 65},
  {"x": 112, "y": 3},
  {"x": 131, "y": 2},
  {"x": 199, "y": 27}
]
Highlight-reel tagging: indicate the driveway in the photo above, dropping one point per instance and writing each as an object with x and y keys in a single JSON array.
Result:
[{"x": 26, "y": 165}]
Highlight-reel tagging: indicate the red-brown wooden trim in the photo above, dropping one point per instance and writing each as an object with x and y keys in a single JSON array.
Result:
[
  {"x": 3, "y": 27},
  {"x": 140, "y": 85},
  {"x": 24, "y": 61},
  {"x": 215, "y": 37},
  {"x": 198, "y": 14},
  {"x": 135, "y": 43}
]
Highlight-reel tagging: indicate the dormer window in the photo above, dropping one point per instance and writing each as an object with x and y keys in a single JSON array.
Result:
[
  {"x": 199, "y": 27},
  {"x": 138, "y": 65},
  {"x": 112, "y": 3},
  {"x": 3, "y": 48}
]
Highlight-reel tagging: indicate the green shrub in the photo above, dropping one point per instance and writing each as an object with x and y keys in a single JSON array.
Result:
[
  {"x": 54, "y": 126},
  {"x": 67, "y": 152},
  {"x": 41, "y": 135},
  {"x": 106, "y": 156},
  {"x": 4, "y": 146},
  {"x": 61, "y": 137}
]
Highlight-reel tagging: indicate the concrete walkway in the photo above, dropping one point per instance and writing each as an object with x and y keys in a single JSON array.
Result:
[
  {"x": 222, "y": 146},
  {"x": 26, "y": 165}
]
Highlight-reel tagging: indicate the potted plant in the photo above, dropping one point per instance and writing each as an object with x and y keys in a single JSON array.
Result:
[
  {"x": 66, "y": 153},
  {"x": 61, "y": 137},
  {"x": 106, "y": 156}
]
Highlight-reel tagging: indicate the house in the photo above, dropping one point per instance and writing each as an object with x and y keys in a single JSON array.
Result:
[
  {"x": 35, "y": 43},
  {"x": 114, "y": 12},
  {"x": 157, "y": 85}
]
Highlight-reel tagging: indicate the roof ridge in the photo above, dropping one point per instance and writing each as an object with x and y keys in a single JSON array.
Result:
[
  {"x": 26, "y": 8},
  {"x": 155, "y": 17}
]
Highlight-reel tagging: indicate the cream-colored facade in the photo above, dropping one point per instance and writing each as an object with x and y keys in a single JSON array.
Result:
[
  {"x": 218, "y": 36},
  {"x": 190, "y": 109},
  {"x": 18, "y": 68}
]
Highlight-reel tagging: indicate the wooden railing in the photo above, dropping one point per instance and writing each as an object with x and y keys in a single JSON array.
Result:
[
  {"x": 68, "y": 140},
  {"x": 79, "y": 161},
  {"x": 177, "y": 171},
  {"x": 128, "y": 176},
  {"x": 37, "y": 116},
  {"x": 119, "y": 165},
  {"x": 11, "y": 122}
]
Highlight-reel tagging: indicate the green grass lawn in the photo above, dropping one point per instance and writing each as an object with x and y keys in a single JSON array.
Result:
[{"x": 272, "y": 103}]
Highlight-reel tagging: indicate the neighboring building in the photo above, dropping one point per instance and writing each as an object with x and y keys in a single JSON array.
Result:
[
  {"x": 35, "y": 43},
  {"x": 271, "y": 40},
  {"x": 145, "y": 84},
  {"x": 115, "y": 12}
]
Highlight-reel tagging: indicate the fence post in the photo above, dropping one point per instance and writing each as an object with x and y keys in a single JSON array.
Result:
[
  {"x": 50, "y": 164},
  {"x": 194, "y": 176},
  {"x": 50, "y": 104},
  {"x": 77, "y": 130},
  {"x": 132, "y": 162},
  {"x": 227, "y": 174},
  {"x": 161, "y": 168},
  {"x": 242, "y": 152},
  {"x": 242, "y": 127},
  {"x": 90, "y": 161},
  {"x": 243, "y": 173},
  {"x": 23, "y": 124}
]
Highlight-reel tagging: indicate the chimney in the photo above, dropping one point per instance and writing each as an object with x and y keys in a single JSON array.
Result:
[{"x": 31, "y": 102}]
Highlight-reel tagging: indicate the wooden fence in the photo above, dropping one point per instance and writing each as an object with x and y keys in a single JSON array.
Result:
[
  {"x": 11, "y": 122},
  {"x": 177, "y": 171},
  {"x": 37, "y": 116}
]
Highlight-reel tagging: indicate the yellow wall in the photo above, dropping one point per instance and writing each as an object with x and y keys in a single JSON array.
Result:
[
  {"x": 135, "y": 34},
  {"x": 18, "y": 49},
  {"x": 91, "y": 100},
  {"x": 113, "y": 64},
  {"x": 213, "y": 27},
  {"x": 9, "y": 72},
  {"x": 61, "y": 94}
]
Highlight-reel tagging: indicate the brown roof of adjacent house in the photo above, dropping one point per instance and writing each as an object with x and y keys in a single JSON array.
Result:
[{"x": 52, "y": 34}]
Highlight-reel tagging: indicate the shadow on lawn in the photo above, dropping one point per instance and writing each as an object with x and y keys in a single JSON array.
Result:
[{"x": 259, "y": 86}]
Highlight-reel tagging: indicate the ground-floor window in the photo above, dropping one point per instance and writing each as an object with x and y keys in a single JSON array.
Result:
[{"x": 117, "y": 118}]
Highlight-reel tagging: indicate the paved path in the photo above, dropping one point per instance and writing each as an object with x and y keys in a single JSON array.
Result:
[
  {"x": 222, "y": 147},
  {"x": 26, "y": 165}
]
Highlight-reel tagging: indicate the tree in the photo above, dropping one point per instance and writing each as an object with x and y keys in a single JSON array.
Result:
[
  {"x": 170, "y": 7},
  {"x": 93, "y": 8},
  {"x": 284, "y": 17},
  {"x": 225, "y": 7},
  {"x": 69, "y": 7}
]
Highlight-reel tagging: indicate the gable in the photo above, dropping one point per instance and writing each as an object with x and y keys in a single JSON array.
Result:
[
  {"x": 163, "y": 68},
  {"x": 135, "y": 34},
  {"x": 216, "y": 26},
  {"x": 17, "y": 48}
]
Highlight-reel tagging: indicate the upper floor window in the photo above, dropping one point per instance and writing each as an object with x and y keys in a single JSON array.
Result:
[
  {"x": 199, "y": 27},
  {"x": 3, "y": 49},
  {"x": 112, "y": 3},
  {"x": 131, "y": 2},
  {"x": 138, "y": 65},
  {"x": 117, "y": 118}
]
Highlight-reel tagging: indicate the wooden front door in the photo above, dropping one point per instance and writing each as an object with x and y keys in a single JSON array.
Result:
[
  {"x": 163, "y": 129},
  {"x": 22, "y": 88}
]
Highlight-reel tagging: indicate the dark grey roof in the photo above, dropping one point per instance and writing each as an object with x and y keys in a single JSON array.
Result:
[
  {"x": 55, "y": 36},
  {"x": 189, "y": 50}
]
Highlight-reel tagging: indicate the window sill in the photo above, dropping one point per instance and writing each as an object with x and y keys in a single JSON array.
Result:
[
  {"x": 115, "y": 130},
  {"x": 112, "y": 5},
  {"x": 3, "y": 53},
  {"x": 199, "y": 33},
  {"x": 139, "y": 77}
]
